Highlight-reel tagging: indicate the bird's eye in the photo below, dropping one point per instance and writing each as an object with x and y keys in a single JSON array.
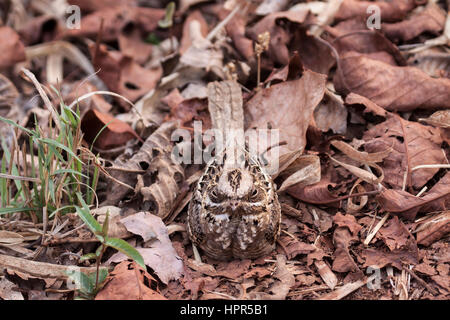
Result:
[
  {"x": 214, "y": 196},
  {"x": 254, "y": 194}
]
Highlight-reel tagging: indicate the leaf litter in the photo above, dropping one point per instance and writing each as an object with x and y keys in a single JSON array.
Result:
[{"x": 363, "y": 117}]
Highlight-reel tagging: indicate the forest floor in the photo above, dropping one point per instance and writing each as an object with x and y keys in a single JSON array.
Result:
[{"x": 93, "y": 205}]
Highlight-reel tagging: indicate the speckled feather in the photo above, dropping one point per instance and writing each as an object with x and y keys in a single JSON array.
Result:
[{"x": 234, "y": 211}]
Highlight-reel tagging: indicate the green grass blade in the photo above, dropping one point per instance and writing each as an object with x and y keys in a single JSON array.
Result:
[
  {"x": 74, "y": 172},
  {"x": 14, "y": 210},
  {"x": 17, "y": 125},
  {"x": 59, "y": 145},
  {"x": 126, "y": 248},
  {"x": 85, "y": 215}
]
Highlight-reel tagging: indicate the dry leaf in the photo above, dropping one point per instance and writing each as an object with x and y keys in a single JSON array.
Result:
[
  {"x": 89, "y": 6},
  {"x": 434, "y": 229},
  {"x": 440, "y": 119},
  {"x": 126, "y": 282},
  {"x": 352, "y": 35},
  {"x": 116, "y": 134},
  {"x": 123, "y": 75},
  {"x": 186, "y": 40},
  {"x": 305, "y": 170},
  {"x": 160, "y": 256},
  {"x": 287, "y": 106},
  {"x": 279, "y": 37},
  {"x": 431, "y": 20},
  {"x": 390, "y": 11},
  {"x": 391, "y": 87},
  {"x": 7, "y": 291},
  {"x": 11, "y": 47},
  {"x": 369, "y": 106},
  {"x": 331, "y": 114},
  {"x": 116, "y": 229},
  {"x": 412, "y": 145}
]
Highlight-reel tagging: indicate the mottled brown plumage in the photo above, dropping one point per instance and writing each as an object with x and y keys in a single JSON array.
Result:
[{"x": 234, "y": 211}]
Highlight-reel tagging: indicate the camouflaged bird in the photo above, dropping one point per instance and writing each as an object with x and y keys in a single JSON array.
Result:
[{"x": 234, "y": 211}]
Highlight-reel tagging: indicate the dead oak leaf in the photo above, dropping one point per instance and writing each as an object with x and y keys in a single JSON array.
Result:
[
  {"x": 126, "y": 282},
  {"x": 287, "y": 106},
  {"x": 430, "y": 20},
  {"x": 279, "y": 37},
  {"x": 89, "y": 5},
  {"x": 373, "y": 44},
  {"x": 114, "y": 20},
  {"x": 160, "y": 254},
  {"x": 391, "y": 87},
  {"x": 116, "y": 134},
  {"x": 293, "y": 247},
  {"x": 123, "y": 75},
  {"x": 11, "y": 47},
  {"x": 347, "y": 221},
  {"x": 395, "y": 235},
  {"x": 413, "y": 144},
  {"x": 390, "y": 10}
]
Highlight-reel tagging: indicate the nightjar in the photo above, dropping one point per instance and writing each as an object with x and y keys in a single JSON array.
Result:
[{"x": 234, "y": 211}]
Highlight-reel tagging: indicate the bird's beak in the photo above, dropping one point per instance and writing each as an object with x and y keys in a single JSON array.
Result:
[{"x": 234, "y": 205}]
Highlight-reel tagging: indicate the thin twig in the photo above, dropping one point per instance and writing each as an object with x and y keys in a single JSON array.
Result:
[
  {"x": 375, "y": 230},
  {"x": 223, "y": 23},
  {"x": 44, "y": 96},
  {"x": 423, "y": 283},
  {"x": 13, "y": 177}
]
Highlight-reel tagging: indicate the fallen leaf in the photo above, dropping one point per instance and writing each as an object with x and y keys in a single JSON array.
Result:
[
  {"x": 132, "y": 44},
  {"x": 369, "y": 106},
  {"x": 96, "y": 101},
  {"x": 379, "y": 259},
  {"x": 331, "y": 114},
  {"x": 348, "y": 221},
  {"x": 345, "y": 234},
  {"x": 236, "y": 29},
  {"x": 352, "y": 35},
  {"x": 279, "y": 37},
  {"x": 189, "y": 110},
  {"x": 116, "y": 134},
  {"x": 440, "y": 119},
  {"x": 123, "y": 75},
  {"x": 40, "y": 29},
  {"x": 434, "y": 229},
  {"x": 412, "y": 145},
  {"x": 233, "y": 269},
  {"x": 287, "y": 106},
  {"x": 114, "y": 20},
  {"x": 202, "y": 54},
  {"x": 318, "y": 193},
  {"x": 126, "y": 282},
  {"x": 160, "y": 256},
  {"x": 284, "y": 280},
  {"x": 390, "y": 11},
  {"x": 293, "y": 247},
  {"x": 11, "y": 47},
  {"x": 116, "y": 229},
  {"x": 430, "y": 20},
  {"x": 395, "y": 235},
  {"x": 425, "y": 268},
  {"x": 186, "y": 40},
  {"x": 7, "y": 291},
  {"x": 305, "y": 170},
  {"x": 391, "y": 87}
]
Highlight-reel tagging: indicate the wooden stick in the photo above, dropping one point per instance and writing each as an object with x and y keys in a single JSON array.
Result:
[{"x": 41, "y": 269}]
